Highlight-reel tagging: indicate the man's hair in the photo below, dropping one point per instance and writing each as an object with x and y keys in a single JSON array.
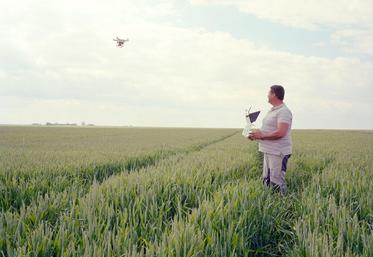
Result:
[{"x": 279, "y": 91}]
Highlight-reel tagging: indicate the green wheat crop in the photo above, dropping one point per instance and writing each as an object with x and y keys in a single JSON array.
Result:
[{"x": 181, "y": 192}]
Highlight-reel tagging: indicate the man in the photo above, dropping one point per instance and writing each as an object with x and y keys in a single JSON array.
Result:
[{"x": 275, "y": 140}]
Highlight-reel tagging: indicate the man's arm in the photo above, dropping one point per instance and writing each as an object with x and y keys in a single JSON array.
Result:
[{"x": 281, "y": 130}]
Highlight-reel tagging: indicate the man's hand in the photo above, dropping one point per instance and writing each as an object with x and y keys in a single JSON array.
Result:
[
  {"x": 256, "y": 135},
  {"x": 281, "y": 131}
]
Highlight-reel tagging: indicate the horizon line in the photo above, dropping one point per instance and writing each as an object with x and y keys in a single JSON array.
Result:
[{"x": 134, "y": 126}]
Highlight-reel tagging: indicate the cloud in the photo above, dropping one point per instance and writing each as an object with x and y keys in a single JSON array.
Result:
[
  {"x": 304, "y": 14},
  {"x": 354, "y": 40},
  {"x": 351, "y": 22},
  {"x": 166, "y": 75}
]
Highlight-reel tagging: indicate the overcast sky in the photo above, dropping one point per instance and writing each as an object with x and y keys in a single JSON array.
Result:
[{"x": 192, "y": 63}]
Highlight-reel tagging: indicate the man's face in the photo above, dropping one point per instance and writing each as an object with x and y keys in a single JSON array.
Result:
[{"x": 270, "y": 96}]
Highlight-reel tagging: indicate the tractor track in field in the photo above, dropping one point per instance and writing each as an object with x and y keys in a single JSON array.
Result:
[
  {"x": 101, "y": 173},
  {"x": 105, "y": 171}
]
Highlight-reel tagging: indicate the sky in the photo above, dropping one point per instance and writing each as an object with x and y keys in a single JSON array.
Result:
[{"x": 190, "y": 63}]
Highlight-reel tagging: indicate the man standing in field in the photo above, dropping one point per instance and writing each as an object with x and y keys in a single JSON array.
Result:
[{"x": 275, "y": 140}]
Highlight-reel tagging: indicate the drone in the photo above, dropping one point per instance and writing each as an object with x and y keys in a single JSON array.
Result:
[{"x": 120, "y": 42}]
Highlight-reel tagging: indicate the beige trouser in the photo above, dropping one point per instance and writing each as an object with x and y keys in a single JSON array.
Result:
[{"x": 274, "y": 170}]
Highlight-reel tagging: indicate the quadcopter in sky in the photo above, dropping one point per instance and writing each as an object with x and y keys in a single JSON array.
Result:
[{"x": 120, "y": 42}]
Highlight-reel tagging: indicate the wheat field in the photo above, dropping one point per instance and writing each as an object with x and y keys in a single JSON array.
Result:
[{"x": 95, "y": 191}]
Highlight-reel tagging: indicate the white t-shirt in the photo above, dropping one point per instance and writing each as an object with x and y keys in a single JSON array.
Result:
[{"x": 277, "y": 114}]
